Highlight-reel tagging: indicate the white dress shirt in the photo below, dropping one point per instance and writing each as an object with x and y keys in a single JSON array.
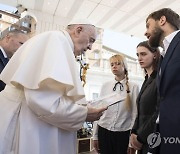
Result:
[
  {"x": 166, "y": 42},
  {"x": 117, "y": 117},
  {"x": 3, "y": 52}
]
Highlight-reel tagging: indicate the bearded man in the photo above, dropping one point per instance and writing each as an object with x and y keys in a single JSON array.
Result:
[{"x": 163, "y": 30}]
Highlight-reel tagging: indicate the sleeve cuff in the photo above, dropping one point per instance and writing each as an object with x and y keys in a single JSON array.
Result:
[
  {"x": 139, "y": 139},
  {"x": 133, "y": 131}
]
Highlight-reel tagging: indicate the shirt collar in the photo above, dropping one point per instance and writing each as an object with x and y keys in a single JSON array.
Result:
[
  {"x": 122, "y": 81},
  {"x": 167, "y": 40},
  {"x": 69, "y": 39},
  {"x": 4, "y": 53}
]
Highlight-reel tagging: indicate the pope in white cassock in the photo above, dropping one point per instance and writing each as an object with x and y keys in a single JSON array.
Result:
[{"x": 38, "y": 113}]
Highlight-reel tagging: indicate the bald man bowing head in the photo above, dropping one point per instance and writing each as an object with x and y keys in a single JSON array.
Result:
[
  {"x": 8, "y": 46},
  {"x": 38, "y": 109}
]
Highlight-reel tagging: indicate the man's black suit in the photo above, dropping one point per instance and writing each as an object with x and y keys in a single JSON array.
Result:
[
  {"x": 169, "y": 90},
  {"x": 3, "y": 62}
]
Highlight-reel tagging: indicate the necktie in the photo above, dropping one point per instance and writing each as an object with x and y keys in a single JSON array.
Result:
[{"x": 120, "y": 86}]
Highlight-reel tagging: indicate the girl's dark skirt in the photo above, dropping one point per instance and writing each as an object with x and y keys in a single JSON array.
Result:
[{"x": 113, "y": 142}]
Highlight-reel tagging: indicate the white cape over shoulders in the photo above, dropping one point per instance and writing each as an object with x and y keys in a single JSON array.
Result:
[{"x": 38, "y": 112}]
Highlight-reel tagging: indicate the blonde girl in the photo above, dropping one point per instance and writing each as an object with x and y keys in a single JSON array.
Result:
[{"x": 111, "y": 132}]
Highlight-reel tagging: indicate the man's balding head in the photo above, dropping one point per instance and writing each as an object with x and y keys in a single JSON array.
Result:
[
  {"x": 12, "y": 41},
  {"x": 83, "y": 35}
]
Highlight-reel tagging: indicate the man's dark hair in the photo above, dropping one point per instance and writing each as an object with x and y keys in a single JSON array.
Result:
[{"x": 172, "y": 17}]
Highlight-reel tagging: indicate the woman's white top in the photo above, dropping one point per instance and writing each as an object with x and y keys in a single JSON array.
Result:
[{"x": 117, "y": 117}]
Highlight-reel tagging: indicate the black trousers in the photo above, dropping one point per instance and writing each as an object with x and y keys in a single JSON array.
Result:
[{"x": 111, "y": 142}]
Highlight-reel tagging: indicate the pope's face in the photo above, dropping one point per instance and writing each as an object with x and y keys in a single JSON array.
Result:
[
  {"x": 154, "y": 33},
  {"x": 84, "y": 40}
]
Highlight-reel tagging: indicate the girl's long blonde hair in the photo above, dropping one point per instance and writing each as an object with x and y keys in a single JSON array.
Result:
[{"x": 121, "y": 59}]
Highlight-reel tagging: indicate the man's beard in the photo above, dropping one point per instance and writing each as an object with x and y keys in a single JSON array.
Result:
[{"x": 155, "y": 39}]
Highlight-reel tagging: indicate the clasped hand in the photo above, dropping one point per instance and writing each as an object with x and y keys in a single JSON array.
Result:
[{"x": 135, "y": 144}]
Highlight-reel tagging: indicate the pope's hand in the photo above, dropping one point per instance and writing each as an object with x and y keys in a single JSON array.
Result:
[{"x": 94, "y": 113}]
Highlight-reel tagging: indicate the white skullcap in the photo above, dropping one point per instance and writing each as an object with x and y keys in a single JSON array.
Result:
[{"x": 80, "y": 22}]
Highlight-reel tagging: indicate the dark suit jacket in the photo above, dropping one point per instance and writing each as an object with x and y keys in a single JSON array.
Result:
[
  {"x": 146, "y": 106},
  {"x": 169, "y": 90},
  {"x": 3, "y": 62}
]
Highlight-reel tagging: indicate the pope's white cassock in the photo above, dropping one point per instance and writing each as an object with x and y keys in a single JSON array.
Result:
[{"x": 38, "y": 113}]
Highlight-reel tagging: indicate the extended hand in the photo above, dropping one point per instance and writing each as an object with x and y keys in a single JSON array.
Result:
[{"x": 94, "y": 113}]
